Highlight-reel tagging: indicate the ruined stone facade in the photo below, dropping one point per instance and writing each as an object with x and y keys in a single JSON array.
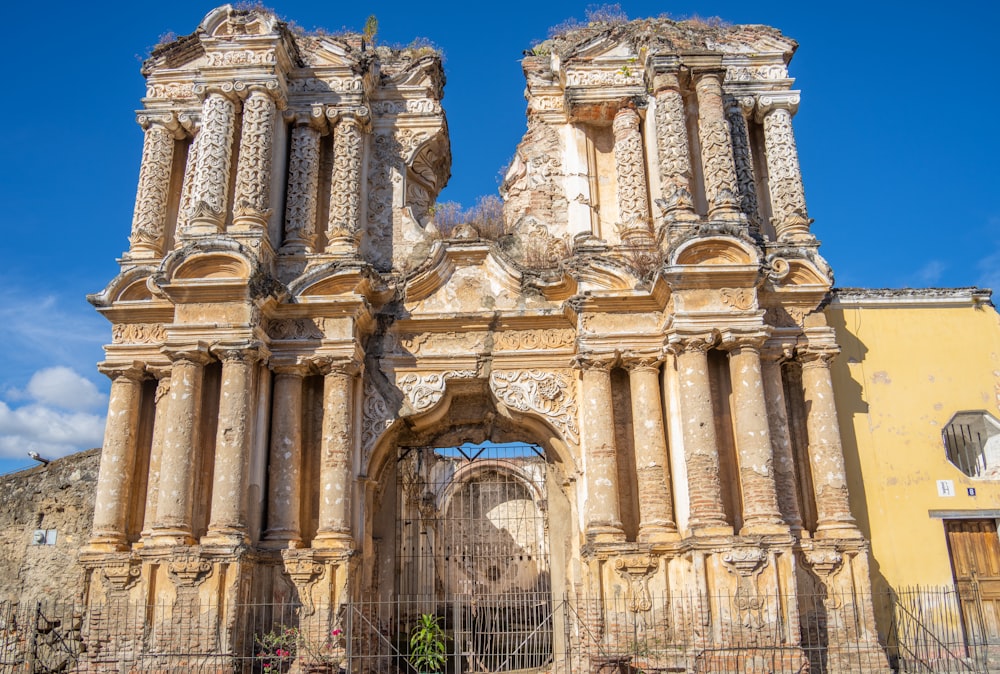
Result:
[{"x": 291, "y": 333}]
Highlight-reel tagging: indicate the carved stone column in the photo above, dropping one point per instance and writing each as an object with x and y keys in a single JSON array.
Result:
[
  {"x": 781, "y": 441},
  {"x": 753, "y": 439},
  {"x": 228, "y": 520},
  {"x": 701, "y": 445},
  {"x": 673, "y": 148},
  {"x": 252, "y": 201},
  {"x": 826, "y": 454},
  {"x": 210, "y": 191},
  {"x": 180, "y": 442},
  {"x": 656, "y": 510},
  {"x": 336, "y": 453},
  {"x": 186, "y": 207},
  {"x": 156, "y": 449},
  {"x": 633, "y": 196},
  {"x": 737, "y": 110},
  {"x": 303, "y": 185},
  {"x": 603, "y": 514},
  {"x": 284, "y": 495},
  {"x": 788, "y": 200},
  {"x": 149, "y": 220},
  {"x": 343, "y": 231},
  {"x": 716, "y": 147},
  {"x": 114, "y": 481}
]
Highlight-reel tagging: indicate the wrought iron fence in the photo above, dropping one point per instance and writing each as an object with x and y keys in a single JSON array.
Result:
[{"x": 922, "y": 630}]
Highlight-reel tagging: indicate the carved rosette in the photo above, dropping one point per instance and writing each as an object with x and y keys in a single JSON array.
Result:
[
  {"x": 253, "y": 169},
  {"x": 544, "y": 393},
  {"x": 788, "y": 201},
  {"x": 636, "y": 572},
  {"x": 149, "y": 218},
  {"x": 189, "y": 572},
  {"x": 211, "y": 177},
  {"x": 303, "y": 186},
  {"x": 531, "y": 340},
  {"x": 345, "y": 188},
  {"x": 672, "y": 147},
  {"x": 716, "y": 148},
  {"x": 633, "y": 198},
  {"x": 736, "y": 111}
]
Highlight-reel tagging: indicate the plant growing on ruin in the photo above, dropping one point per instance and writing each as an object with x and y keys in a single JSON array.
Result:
[
  {"x": 428, "y": 644},
  {"x": 371, "y": 29}
]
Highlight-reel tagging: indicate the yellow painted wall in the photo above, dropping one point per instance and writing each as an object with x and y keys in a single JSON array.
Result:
[{"x": 904, "y": 371}]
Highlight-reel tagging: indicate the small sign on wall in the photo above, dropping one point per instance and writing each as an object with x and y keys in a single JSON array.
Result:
[{"x": 946, "y": 487}]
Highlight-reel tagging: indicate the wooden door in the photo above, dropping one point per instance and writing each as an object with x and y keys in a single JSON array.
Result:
[{"x": 975, "y": 561}]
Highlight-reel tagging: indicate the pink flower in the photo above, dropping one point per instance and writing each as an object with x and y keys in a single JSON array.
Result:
[{"x": 335, "y": 633}]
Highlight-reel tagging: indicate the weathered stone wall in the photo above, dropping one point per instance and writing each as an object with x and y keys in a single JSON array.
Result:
[{"x": 58, "y": 496}]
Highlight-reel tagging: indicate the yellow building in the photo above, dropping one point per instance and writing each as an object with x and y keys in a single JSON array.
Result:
[{"x": 918, "y": 395}]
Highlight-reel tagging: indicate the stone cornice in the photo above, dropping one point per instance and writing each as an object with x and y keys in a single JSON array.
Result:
[{"x": 903, "y": 298}]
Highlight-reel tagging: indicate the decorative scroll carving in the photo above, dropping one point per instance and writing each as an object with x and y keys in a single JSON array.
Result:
[
  {"x": 736, "y": 110},
  {"x": 303, "y": 186},
  {"x": 633, "y": 198},
  {"x": 121, "y": 576},
  {"x": 419, "y": 106},
  {"x": 241, "y": 58},
  {"x": 253, "y": 171},
  {"x": 150, "y": 216},
  {"x": 716, "y": 147},
  {"x": 385, "y": 151},
  {"x": 823, "y": 561},
  {"x": 173, "y": 90},
  {"x": 304, "y": 573},
  {"x": 211, "y": 179},
  {"x": 636, "y": 572},
  {"x": 751, "y": 73},
  {"x": 138, "y": 333},
  {"x": 530, "y": 340},
  {"x": 376, "y": 418},
  {"x": 425, "y": 391},
  {"x": 187, "y": 186},
  {"x": 544, "y": 393},
  {"x": 745, "y": 561},
  {"x": 295, "y": 328},
  {"x": 621, "y": 77},
  {"x": 189, "y": 572},
  {"x": 740, "y": 299},
  {"x": 345, "y": 189},
  {"x": 672, "y": 147},
  {"x": 342, "y": 85},
  {"x": 788, "y": 202}
]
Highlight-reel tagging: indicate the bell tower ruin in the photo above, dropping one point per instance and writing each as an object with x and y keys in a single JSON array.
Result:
[{"x": 322, "y": 398}]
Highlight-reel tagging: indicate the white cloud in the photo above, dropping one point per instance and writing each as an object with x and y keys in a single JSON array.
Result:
[
  {"x": 930, "y": 273},
  {"x": 50, "y": 432},
  {"x": 989, "y": 272},
  {"x": 62, "y": 387}
]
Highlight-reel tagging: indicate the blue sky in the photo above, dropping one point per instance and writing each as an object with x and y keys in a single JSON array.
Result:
[{"x": 897, "y": 134}]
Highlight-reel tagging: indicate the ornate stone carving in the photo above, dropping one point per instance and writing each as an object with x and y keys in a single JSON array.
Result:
[
  {"x": 211, "y": 178},
  {"x": 636, "y": 572},
  {"x": 531, "y": 340},
  {"x": 619, "y": 77},
  {"x": 303, "y": 187},
  {"x": 716, "y": 147},
  {"x": 189, "y": 571},
  {"x": 304, "y": 573},
  {"x": 751, "y": 73},
  {"x": 187, "y": 185},
  {"x": 345, "y": 188},
  {"x": 121, "y": 576},
  {"x": 736, "y": 110},
  {"x": 419, "y": 106},
  {"x": 824, "y": 561},
  {"x": 253, "y": 170},
  {"x": 138, "y": 333},
  {"x": 425, "y": 391},
  {"x": 545, "y": 393},
  {"x": 244, "y": 57},
  {"x": 175, "y": 90},
  {"x": 152, "y": 196},
  {"x": 343, "y": 85},
  {"x": 788, "y": 202},
  {"x": 376, "y": 418},
  {"x": 385, "y": 161},
  {"x": 295, "y": 328},
  {"x": 745, "y": 561},
  {"x": 633, "y": 198},
  {"x": 741, "y": 299},
  {"x": 672, "y": 145}
]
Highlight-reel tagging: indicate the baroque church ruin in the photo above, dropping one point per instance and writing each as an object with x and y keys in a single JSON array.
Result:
[{"x": 613, "y": 418}]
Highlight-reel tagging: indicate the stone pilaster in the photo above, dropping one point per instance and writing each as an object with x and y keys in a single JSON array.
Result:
[
  {"x": 152, "y": 199},
  {"x": 721, "y": 188},
  {"x": 336, "y": 454},
  {"x": 602, "y": 511},
  {"x": 180, "y": 447},
  {"x": 252, "y": 199},
  {"x": 343, "y": 231},
  {"x": 114, "y": 481},
  {"x": 186, "y": 207},
  {"x": 228, "y": 520},
  {"x": 284, "y": 495},
  {"x": 673, "y": 148},
  {"x": 781, "y": 441},
  {"x": 737, "y": 110},
  {"x": 826, "y": 454},
  {"x": 789, "y": 216},
  {"x": 210, "y": 189},
  {"x": 303, "y": 184},
  {"x": 701, "y": 444},
  {"x": 633, "y": 196},
  {"x": 156, "y": 447},
  {"x": 753, "y": 438},
  {"x": 656, "y": 510}
]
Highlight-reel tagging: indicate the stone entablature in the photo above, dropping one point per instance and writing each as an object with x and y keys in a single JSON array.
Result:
[{"x": 639, "y": 322}]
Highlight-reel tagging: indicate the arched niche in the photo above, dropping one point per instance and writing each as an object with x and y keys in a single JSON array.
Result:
[
  {"x": 212, "y": 265},
  {"x": 715, "y": 251}
]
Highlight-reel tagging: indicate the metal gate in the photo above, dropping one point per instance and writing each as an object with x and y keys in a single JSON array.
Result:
[{"x": 472, "y": 549}]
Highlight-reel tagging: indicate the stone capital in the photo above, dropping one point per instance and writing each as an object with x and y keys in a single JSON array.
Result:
[
  {"x": 198, "y": 353},
  {"x": 626, "y": 120},
  {"x": 247, "y": 351},
  {"x": 295, "y": 368},
  {"x": 743, "y": 105},
  {"x": 743, "y": 341},
  {"x": 777, "y": 352},
  {"x": 134, "y": 371},
  {"x": 697, "y": 343},
  {"x": 784, "y": 100},
  {"x": 269, "y": 89},
  {"x": 314, "y": 118},
  {"x": 634, "y": 362},
  {"x": 148, "y": 119},
  {"x": 229, "y": 90},
  {"x": 602, "y": 362},
  {"x": 336, "y": 365},
  {"x": 817, "y": 357}
]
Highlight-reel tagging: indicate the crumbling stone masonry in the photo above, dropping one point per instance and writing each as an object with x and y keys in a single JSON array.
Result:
[{"x": 288, "y": 320}]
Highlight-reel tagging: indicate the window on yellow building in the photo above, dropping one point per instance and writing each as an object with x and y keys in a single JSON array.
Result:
[{"x": 972, "y": 440}]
